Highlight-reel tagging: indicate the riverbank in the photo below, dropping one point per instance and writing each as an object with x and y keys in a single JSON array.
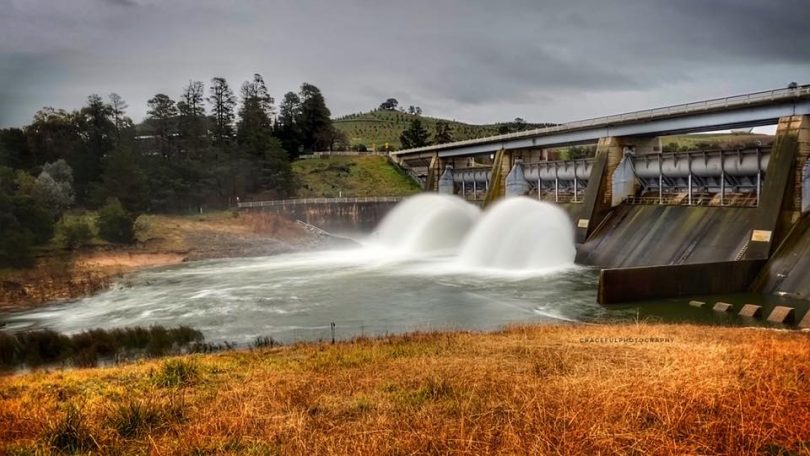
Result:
[
  {"x": 563, "y": 389},
  {"x": 163, "y": 240}
]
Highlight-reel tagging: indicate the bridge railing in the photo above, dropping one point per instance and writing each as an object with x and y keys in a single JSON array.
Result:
[
  {"x": 289, "y": 202},
  {"x": 646, "y": 114}
]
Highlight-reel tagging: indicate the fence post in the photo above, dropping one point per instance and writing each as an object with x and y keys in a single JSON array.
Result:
[{"x": 333, "y": 332}]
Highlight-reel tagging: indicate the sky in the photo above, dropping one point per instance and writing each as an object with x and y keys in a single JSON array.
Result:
[{"x": 479, "y": 61}]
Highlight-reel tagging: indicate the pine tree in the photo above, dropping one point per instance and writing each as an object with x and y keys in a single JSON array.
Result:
[
  {"x": 223, "y": 103},
  {"x": 192, "y": 126},
  {"x": 317, "y": 132},
  {"x": 416, "y": 135},
  {"x": 443, "y": 133},
  {"x": 255, "y": 139},
  {"x": 287, "y": 129},
  {"x": 162, "y": 115}
]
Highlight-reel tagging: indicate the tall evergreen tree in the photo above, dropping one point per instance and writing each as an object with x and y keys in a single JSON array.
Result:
[
  {"x": 162, "y": 115},
  {"x": 416, "y": 135},
  {"x": 315, "y": 122},
  {"x": 255, "y": 138},
  {"x": 443, "y": 133},
  {"x": 192, "y": 127},
  {"x": 118, "y": 108},
  {"x": 287, "y": 128},
  {"x": 223, "y": 103},
  {"x": 98, "y": 132}
]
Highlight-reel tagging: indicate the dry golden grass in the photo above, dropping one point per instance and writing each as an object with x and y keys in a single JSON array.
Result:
[{"x": 527, "y": 390}]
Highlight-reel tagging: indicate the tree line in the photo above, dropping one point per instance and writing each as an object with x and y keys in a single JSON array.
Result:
[{"x": 205, "y": 148}]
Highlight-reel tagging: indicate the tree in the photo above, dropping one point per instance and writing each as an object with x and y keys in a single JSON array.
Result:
[
  {"x": 14, "y": 151},
  {"x": 255, "y": 125},
  {"x": 125, "y": 180},
  {"x": 192, "y": 126},
  {"x": 162, "y": 116},
  {"x": 287, "y": 129},
  {"x": 416, "y": 135},
  {"x": 389, "y": 105},
  {"x": 115, "y": 224},
  {"x": 255, "y": 138},
  {"x": 54, "y": 188},
  {"x": 443, "y": 133},
  {"x": 315, "y": 122},
  {"x": 52, "y": 135},
  {"x": 223, "y": 103},
  {"x": 118, "y": 109},
  {"x": 98, "y": 138}
]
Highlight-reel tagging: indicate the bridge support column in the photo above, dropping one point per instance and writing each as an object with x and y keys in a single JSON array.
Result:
[
  {"x": 596, "y": 201},
  {"x": 601, "y": 194},
  {"x": 434, "y": 173},
  {"x": 497, "y": 180},
  {"x": 780, "y": 198}
]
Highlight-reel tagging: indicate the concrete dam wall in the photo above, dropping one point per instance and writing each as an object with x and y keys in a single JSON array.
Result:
[
  {"x": 335, "y": 215},
  {"x": 667, "y": 235},
  {"x": 788, "y": 271}
]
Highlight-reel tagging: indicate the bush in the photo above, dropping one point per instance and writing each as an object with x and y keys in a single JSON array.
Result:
[
  {"x": 73, "y": 234},
  {"x": 115, "y": 224}
]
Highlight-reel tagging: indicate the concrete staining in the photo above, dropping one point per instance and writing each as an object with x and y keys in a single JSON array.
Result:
[
  {"x": 665, "y": 235},
  {"x": 788, "y": 272}
]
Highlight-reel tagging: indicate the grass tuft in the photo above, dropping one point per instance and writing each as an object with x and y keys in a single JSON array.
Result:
[
  {"x": 69, "y": 434},
  {"x": 177, "y": 373}
]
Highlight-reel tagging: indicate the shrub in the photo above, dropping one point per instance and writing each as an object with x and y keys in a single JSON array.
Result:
[
  {"x": 73, "y": 234},
  {"x": 115, "y": 224}
]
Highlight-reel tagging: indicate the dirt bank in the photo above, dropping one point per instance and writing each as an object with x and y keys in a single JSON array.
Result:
[{"x": 162, "y": 241}]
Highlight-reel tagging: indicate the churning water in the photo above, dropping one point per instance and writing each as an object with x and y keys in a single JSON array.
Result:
[{"x": 436, "y": 262}]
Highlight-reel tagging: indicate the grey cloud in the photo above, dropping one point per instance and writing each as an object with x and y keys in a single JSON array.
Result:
[{"x": 474, "y": 60}]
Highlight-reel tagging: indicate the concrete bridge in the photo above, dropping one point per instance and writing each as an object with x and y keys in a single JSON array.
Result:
[{"x": 634, "y": 206}]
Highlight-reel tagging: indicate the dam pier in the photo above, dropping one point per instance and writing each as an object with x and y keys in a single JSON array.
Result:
[{"x": 660, "y": 224}]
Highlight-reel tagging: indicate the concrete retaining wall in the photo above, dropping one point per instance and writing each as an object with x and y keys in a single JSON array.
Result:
[
  {"x": 658, "y": 282},
  {"x": 334, "y": 217}
]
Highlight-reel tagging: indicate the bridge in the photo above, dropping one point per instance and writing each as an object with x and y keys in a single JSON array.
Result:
[{"x": 644, "y": 215}]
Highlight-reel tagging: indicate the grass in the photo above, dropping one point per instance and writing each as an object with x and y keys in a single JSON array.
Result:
[
  {"x": 526, "y": 390},
  {"x": 354, "y": 176},
  {"x": 714, "y": 141},
  {"x": 176, "y": 373},
  {"x": 377, "y": 128}
]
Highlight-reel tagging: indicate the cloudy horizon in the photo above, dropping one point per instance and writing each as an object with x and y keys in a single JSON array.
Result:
[{"x": 472, "y": 61}]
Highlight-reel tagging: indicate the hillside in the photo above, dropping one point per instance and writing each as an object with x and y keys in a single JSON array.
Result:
[
  {"x": 715, "y": 141},
  {"x": 567, "y": 389},
  {"x": 368, "y": 175},
  {"x": 376, "y": 128}
]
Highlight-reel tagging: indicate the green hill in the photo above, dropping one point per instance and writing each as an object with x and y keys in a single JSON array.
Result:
[
  {"x": 350, "y": 176},
  {"x": 376, "y": 128}
]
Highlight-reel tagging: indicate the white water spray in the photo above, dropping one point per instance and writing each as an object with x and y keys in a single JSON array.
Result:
[
  {"x": 427, "y": 222},
  {"x": 520, "y": 233}
]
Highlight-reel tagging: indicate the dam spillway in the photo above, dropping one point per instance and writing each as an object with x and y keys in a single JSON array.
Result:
[{"x": 741, "y": 210}]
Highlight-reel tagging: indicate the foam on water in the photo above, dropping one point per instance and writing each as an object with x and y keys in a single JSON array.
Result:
[
  {"x": 427, "y": 222},
  {"x": 521, "y": 234}
]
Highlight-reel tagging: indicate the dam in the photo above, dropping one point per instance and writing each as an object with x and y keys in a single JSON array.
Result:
[
  {"x": 661, "y": 224},
  {"x": 506, "y": 232}
]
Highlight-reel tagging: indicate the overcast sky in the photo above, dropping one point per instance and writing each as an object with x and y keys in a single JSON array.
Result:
[{"x": 478, "y": 61}]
